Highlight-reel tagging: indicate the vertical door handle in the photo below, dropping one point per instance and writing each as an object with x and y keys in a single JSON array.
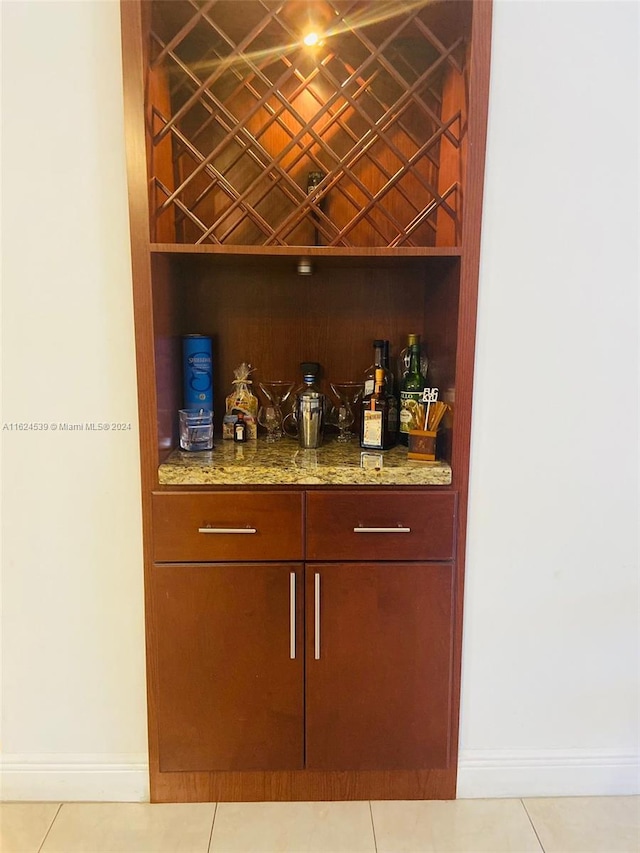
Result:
[
  {"x": 317, "y": 616},
  {"x": 292, "y": 615}
]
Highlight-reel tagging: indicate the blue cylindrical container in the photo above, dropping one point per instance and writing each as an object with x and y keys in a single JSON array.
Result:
[{"x": 198, "y": 375}]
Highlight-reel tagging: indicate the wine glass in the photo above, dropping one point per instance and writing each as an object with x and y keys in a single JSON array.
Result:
[
  {"x": 277, "y": 392},
  {"x": 342, "y": 417},
  {"x": 348, "y": 395},
  {"x": 270, "y": 417}
]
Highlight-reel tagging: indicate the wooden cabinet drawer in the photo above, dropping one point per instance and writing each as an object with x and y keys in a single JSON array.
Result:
[
  {"x": 386, "y": 525},
  {"x": 226, "y": 526}
]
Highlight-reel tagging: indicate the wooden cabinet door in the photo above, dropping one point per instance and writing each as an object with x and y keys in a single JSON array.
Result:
[
  {"x": 379, "y": 650},
  {"x": 229, "y": 666}
]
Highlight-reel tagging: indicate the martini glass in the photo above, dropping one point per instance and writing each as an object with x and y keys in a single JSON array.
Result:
[
  {"x": 277, "y": 392},
  {"x": 348, "y": 395}
]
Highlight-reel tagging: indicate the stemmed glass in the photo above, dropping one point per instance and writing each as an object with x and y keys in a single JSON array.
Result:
[
  {"x": 348, "y": 395},
  {"x": 270, "y": 416}
]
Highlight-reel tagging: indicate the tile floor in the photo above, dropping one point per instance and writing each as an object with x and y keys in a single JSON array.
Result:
[{"x": 567, "y": 825}]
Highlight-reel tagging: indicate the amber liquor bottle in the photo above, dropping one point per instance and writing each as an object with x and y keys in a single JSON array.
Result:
[
  {"x": 381, "y": 360},
  {"x": 375, "y": 429}
]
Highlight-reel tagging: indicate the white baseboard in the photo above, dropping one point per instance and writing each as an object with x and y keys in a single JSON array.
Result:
[
  {"x": 74, "y": 778},
  {"x": 481, "y": 773},
  {"x": 547, "y": 773}
]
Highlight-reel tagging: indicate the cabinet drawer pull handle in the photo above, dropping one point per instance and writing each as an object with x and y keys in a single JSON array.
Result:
[
  {"x": 227, "y": 530},
  {"x": 292, "y": 615},
  {"x": 382, "y": 530},
  {"x": 316, "y": 651}
]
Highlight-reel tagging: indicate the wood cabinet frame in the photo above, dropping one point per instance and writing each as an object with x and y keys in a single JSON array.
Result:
[{"x": 306, "y": 784}]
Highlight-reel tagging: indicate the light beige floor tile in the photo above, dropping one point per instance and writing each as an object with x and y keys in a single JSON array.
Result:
[
  {"x": 587, "y": 824},
  {"x": 293, "y": 828},
  {"x": 131, "y": 828},
  {"x": 461, "y": 826},
  {"x": 23, "y": 826}
]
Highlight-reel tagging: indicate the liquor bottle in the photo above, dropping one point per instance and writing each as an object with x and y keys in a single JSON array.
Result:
[
  {"x": 370, "y": 372},
  {"x": 411, "y": 387},
  {"x": 374, "y": 430},
  {"x": 385, "y": 364},
  {"x": 240, "y": 429},
  {"x": 378, "y": 362},
  {"x": 381, "y": 361},
  {"x": 405, "y": 355},
  {"x": 313, "y": 180}
]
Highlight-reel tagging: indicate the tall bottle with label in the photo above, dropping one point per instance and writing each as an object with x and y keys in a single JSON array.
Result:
[
  {"x": 375, "y": 431},
  {"x": 378, "y": 362},
  {"x": 405, "y": 356},
  {"x": 411, "y": 387},
  {"x": 381, "y": 362}
]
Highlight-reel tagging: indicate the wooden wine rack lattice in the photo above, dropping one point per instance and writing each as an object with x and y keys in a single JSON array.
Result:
[{"x": 240, "y": 111}]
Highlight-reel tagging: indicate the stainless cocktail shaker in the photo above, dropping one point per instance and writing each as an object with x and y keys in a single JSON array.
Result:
[{"x": 310, "y": 408}]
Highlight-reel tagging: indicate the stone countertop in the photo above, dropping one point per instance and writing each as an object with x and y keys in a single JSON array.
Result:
[{"x": 285, "y": 463}]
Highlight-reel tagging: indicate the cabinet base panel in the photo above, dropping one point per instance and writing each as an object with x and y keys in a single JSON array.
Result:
[{"x": 307, "y": 785}]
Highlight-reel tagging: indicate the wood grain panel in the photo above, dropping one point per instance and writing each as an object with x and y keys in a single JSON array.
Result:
[
  {"x": 453, "y": 158},
  {"x": 230, "y": 697},
  {"x": 168, "y": 310},
  {"x": 275, "y": 319},
  {"x": 332, "y": 518},
  {"x": 275, "y": 516},
  {"x": 441, "y": 337},
  {"x": 378, "y": 675},
  {"x": 160, "y": 157},
  {"x": 470, "y": 265},
  {"x": 304, "y": 785}
]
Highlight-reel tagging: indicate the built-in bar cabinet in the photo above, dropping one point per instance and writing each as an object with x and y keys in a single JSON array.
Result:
[{"x": 303, "y": 610}]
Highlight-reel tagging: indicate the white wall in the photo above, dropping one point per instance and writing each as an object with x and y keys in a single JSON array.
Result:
[
  {"x": 550, "y": 666},
  {"x": 73, "y": 694},
  {"x": 551, "y": 638}
]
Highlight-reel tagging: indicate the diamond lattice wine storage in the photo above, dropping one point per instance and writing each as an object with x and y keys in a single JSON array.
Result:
[{"x": 245, "y": 112}]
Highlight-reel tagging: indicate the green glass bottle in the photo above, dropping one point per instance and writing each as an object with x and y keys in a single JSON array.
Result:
[{"x": 411, "y": 388}]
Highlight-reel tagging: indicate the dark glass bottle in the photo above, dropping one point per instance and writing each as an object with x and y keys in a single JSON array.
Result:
[
  {"x": 375, "y": 432},
  {"x": 389, "y": 373},
  {"x": 240, "y": 429},
  {"x": 405, "y": 355},
  {"x": 379, "y": 347},
  {"x": 381, "y": 355},
  {"x": 313, "y": 180},
  {"x": 370, "y": 372},
  {"x": 411, "y": 388}
]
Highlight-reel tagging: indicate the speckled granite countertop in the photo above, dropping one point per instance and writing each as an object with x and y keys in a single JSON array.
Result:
[{"x": 285, "y": 463}]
